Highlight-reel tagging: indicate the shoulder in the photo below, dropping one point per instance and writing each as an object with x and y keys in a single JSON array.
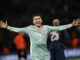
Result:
[
  {"x": 29, "y": 26},
  {"x": 46, "y": 25}
]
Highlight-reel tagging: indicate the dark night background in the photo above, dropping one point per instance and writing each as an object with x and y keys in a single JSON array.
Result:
[
  {"x": 18, "y": 13},
  {"x": 21, "y": 10}
]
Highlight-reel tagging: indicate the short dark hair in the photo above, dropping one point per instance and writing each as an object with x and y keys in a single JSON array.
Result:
[{"x": 36, "y": 15}]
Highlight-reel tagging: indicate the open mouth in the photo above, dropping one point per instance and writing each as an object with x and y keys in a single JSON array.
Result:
[{"x": 38, "y": 22}]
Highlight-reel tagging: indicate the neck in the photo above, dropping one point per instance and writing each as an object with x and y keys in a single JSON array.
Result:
[{"x": 39, "y": 26}]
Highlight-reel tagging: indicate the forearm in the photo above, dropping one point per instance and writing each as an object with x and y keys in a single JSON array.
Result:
[
  {"x": 15, "y": 29},
  {"x": 59, "y": 28},
  {"x": 63, "y": 27}
]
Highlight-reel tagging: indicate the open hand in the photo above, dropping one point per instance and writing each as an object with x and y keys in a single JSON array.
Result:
[
  {"x": 76, "y": 22},
  {"x": 3, "y": 25}
]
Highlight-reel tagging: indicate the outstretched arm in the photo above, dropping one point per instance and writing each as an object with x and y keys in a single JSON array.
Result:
[
  {"x": 63, "y": 27},
  {"x": 5, "y": 26}
]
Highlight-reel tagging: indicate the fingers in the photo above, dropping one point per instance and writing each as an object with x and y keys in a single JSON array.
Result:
[
  {"x": 0, "y": 24},
  {"x": 78, "y": 20},
  {"x": 6, "y": 22},
  {"x": 1, "y": 21},
  {"x": 74, "y": 20}
]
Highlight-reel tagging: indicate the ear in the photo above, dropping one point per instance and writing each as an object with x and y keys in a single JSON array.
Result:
[{"x": 33, "y": 21}]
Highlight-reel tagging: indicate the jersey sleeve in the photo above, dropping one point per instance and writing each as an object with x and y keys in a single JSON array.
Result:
[
  {"x": 59, "y": 28},
  {"x": 15, "y": 29}
]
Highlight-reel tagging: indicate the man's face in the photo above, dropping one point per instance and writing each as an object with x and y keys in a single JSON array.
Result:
[
  {"x": 56, "y": 22},
  {"x": 37, "y": 20}
]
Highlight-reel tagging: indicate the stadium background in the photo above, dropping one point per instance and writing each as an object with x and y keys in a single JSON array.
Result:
[{"x": 18, "y": 13}]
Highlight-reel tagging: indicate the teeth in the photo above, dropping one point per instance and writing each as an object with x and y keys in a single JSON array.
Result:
[{"x": 37, "y": 22}]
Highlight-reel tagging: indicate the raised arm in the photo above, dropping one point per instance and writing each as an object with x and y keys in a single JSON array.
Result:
[
  {"x": 14, "y": 29},
  {"x": 63, "y": 27}
]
